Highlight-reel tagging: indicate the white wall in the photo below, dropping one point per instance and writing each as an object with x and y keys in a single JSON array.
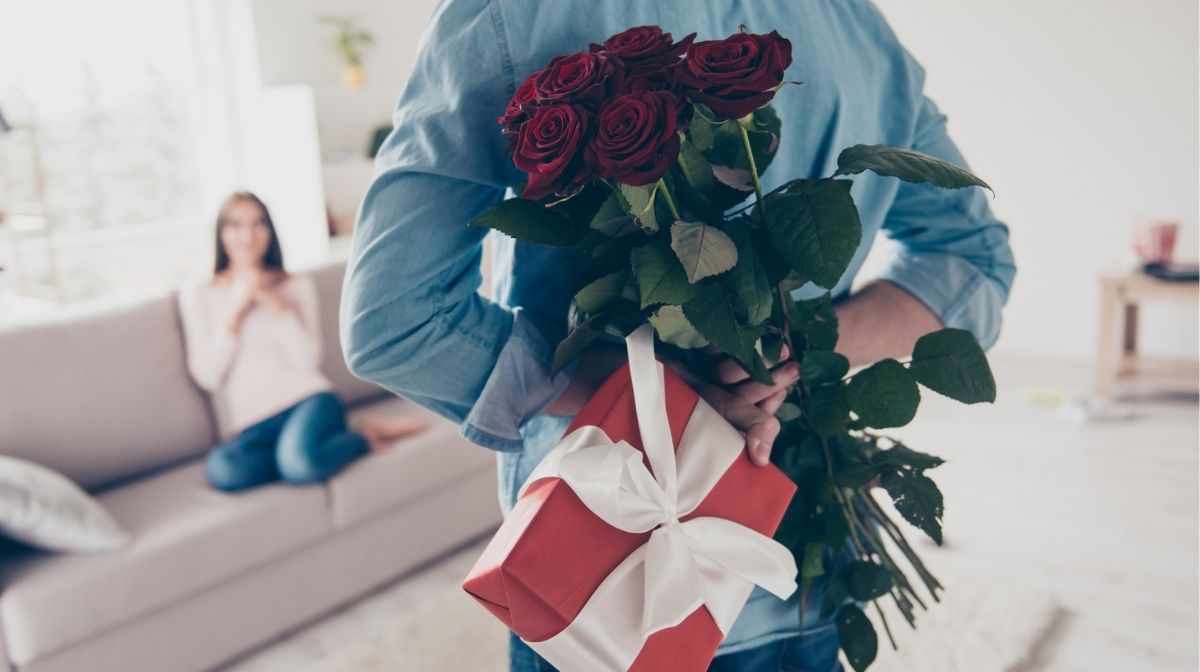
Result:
[
  {"x": 295, "y": 47},
  {"x": 1083, "y": 116}
]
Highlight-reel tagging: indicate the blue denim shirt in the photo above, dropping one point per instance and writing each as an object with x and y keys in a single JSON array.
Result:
[{"x": 412, "y": 319}]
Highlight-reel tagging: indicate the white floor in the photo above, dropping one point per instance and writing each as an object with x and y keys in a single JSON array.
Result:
[{"x": 1103, "y": 518}]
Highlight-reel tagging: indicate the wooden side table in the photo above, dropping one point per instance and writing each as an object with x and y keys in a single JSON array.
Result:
[{"x": 1118, "y": 358}]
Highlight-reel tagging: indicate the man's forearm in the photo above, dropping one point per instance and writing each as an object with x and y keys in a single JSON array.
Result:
[{"x": 880, "y": 321}]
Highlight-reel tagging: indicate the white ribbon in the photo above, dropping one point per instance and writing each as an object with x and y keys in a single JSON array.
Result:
[{"x": 705, "y": 561}]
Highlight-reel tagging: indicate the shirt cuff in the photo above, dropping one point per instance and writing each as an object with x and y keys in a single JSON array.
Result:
[
  {"x": 519, "y": 387},
  {"x": 956, "y": 291}
]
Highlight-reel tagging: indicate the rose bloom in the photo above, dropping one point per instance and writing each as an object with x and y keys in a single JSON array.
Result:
[
  {"x": 648, "y": 77},
  {"x": 643, "y": 44},
  {"x": 736, "y": 75},
  {"x": 518, "y": 109},
  {"x": 548, "y": 147},
  {"x": 635, "y": 140},
  {"x": 578, "y": 78}
]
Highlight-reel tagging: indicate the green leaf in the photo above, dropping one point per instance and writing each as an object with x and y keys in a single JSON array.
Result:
[
  {"x": 828, "y": 411},
  {"x": 597, "y": 294},
  {"x": 582, "y": 206},
  {"x": 674, "y": 328},
  {"x": 611, "y": 219},
  {"x": 867, "y": 580},
  {"x": 770, "y": 346},
  {"x": 704, "y": 250},
  {"x": 574, "y": 344},
  {"x": 918, "y": 500},
  {"x": 906, "y": 164},
  {"x": 728, "y": 149},
  {"x": 660, "y": 277},
  {"x": 823, "y": 366},
  {"x": 776, "y": 268},
  {"x": 788, "y": 412},
  {"x": 711, "y": 312},
  {"x": 883, "y": 395},
  {"x": 620, "y": 318},
  {"x": 639, "y": 201},
  {"x": 901, "y": 454},
  {"x": 695, "y": 167},
  {"x": 857, "y": 637},
  {"x": 701, "y": 132},
  {"x": 812, "y": 565},
  {"x": 748, "y": 280},
  {"x": 815, "y": 228},
  {"x": 950, "y": 362},
  {"x": 530, "y": 221},
  {"x": 821, "y": 334}
]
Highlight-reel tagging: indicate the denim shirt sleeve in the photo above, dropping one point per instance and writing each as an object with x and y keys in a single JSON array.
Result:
[
  {"x": 953, "y": 254},
  {"x": 411, "y": 318}
]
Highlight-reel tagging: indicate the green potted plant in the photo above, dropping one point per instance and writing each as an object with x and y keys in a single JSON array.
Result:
[{"x": 350, "y": 44}]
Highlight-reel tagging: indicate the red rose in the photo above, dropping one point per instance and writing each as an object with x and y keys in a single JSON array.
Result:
[
  {"x": 518, "y": 109},
  {"x": 644, "y": 44},
  {"x": 578, "y": 78},
  {"x": 548, "y": 149},
  {"x": 737, "y": 75},
  {"x": 648, "y": 77},
  {"x": 636, "y": 141}
]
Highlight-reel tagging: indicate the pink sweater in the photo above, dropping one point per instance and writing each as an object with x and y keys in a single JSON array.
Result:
[{"x": 273, "y": 362}]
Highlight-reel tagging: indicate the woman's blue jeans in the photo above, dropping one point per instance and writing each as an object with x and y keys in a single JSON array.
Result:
[
  {"x": 305, "y": 443},
  {"x": 815, "y": 651}
]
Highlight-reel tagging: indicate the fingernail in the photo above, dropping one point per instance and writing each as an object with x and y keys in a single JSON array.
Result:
[
  {"x": 754, "y": 446},
  {"x": 763, "y": 451}
]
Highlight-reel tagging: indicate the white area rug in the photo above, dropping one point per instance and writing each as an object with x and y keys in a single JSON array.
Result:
[{"x": 981, "y": 626}]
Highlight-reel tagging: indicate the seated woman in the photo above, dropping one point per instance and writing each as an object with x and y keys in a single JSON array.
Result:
[{"x": 253, "y": 336}]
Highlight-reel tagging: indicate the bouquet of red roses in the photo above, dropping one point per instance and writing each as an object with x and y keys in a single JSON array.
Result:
[{"x": 640, "y": 152}]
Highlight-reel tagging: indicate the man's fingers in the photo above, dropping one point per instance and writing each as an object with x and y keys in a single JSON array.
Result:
[
  {"x": 784, "y": 376},
  {"x": 760, "y": 427},
  {"x": 726, "y": 371},
  {"x": 772, "y": 403}
]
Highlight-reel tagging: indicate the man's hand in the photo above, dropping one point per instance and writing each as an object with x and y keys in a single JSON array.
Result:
[{"x": 747, "y": 404}]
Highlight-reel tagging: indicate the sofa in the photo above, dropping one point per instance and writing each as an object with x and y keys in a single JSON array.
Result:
[{"x": 104, "y": 397}]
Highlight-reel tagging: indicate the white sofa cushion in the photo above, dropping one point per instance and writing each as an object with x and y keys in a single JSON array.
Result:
[
  {"x": 41, "y": 507},
  {"x": 412, "y": 468},
  {"x": 187, "y": 537}
]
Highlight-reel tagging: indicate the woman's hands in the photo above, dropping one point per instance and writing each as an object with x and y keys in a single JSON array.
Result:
[
  {"x": 250, "y": 289},
  {"x": 748, "y": 405}
]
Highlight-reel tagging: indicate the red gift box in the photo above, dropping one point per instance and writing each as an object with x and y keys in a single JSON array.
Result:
[{"x": 552, "y": 552}]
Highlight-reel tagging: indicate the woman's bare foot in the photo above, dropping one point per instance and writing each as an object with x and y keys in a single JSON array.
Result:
[{"x": 383, "y": 433}]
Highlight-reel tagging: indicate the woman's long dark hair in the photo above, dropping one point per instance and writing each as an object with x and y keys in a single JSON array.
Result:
[{"x": 273, "y": 259}]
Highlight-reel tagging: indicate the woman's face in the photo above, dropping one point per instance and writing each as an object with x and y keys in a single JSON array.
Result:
[{"x": 245, "y": 234}]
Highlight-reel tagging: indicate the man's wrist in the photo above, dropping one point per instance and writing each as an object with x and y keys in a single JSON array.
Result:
[{"x": 596, "y": 363}]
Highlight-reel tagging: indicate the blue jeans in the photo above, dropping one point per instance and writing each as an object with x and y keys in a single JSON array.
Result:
[
  {"x": 814, "y": 651},
  {"x": 305, "y": 443}
]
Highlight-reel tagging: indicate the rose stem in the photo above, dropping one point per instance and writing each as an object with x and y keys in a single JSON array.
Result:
[
  {"x": 886, "y": 628},
  {"x": 885, "y": 556},
  {"x": 662, "y": 189},
  {"x": 931, "y": 583},
  {"x": 753, "y": 172}
]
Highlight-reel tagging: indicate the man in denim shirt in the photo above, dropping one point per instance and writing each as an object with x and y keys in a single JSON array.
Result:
[{"x": 413, "y": 322}]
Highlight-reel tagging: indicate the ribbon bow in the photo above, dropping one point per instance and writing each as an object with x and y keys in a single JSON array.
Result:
[{"x": 706, "y": 560}]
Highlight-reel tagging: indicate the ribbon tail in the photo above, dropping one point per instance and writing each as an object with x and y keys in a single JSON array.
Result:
[
  {"x": 674, "y": 584},
  {"x": 735, "y": 558}
]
